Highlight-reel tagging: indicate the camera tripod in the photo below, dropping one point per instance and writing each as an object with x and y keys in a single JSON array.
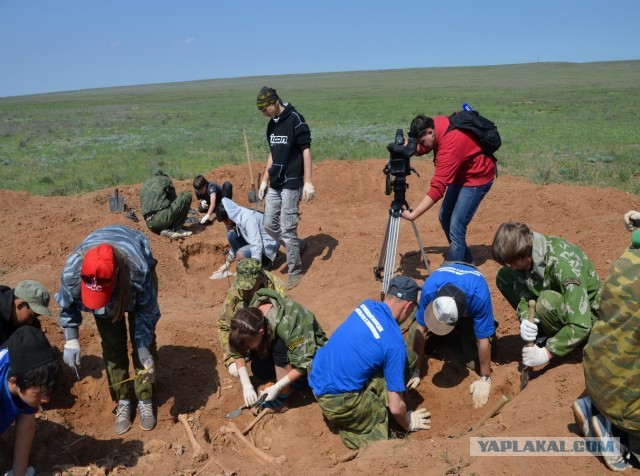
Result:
[{"x": 387, "y": 262}]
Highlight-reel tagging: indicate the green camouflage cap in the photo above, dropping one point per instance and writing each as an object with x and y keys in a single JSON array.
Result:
[
  {"x": 249, "y": 270},
  {"x": 35, "y": 294}
]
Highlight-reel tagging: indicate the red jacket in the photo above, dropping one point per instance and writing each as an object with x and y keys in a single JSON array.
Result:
[{"x": 458, "y": 159}]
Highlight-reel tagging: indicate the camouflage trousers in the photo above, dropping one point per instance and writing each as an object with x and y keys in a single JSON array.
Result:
[
  {"x": 116, "y": 359},
  {"x": 173, "y": 216},
  {"x": 362, "y": 417},
  {"x": 550, "y": 306}
]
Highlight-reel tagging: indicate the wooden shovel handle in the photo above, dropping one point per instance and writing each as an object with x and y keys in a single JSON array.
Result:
[
  {"x": 531, "y": 317},
  {"x": 246, "y": 146}
]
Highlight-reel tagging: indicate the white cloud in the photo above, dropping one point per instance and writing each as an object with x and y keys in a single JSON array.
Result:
[{"x": 188, "y": 41}]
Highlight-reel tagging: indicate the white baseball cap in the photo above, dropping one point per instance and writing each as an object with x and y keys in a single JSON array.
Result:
[{"x": 444, "y": 311}]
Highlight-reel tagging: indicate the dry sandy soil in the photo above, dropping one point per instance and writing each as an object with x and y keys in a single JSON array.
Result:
[{"x": 343, "y": 227}]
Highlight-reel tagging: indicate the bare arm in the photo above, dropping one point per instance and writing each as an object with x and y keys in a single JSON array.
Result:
[
  {"x": 212, "y": 203},
  {"x": 399, "y": 409},
  {"x": 306, "y": 157},
  {"x": 484, "y": 355},
  {"x": 418, "y": 344},
  {"x": 25, "y": 432},
  {"x": 426, "y": 203},
  {"x": 265, "y": 175}
]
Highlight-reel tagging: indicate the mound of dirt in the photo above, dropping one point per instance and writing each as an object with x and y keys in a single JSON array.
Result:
[{"x": 343, "y": 227}]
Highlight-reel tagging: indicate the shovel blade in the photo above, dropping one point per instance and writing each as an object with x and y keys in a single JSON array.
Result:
[
  {"x": 116, "y": 202},
  {"x": 524, "y": 378},
  {"x": 252, "y": 195}
]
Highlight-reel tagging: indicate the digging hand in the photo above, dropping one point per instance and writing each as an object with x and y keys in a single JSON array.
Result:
[
  {"x": 480, "y": 390},
  {"x": 71, "y": 354},
  {"x": 308, "y": 192},
  {"x": 233, "y": 369},
  {"x": 263, "y": 189},
  {"x": 632, "y": 219},
  {"x": 419, "y": 420},
  {"x": 149, "y": 365},
  {"x": 534, "y": 356},
  {"x": 204, "y": 219},
  {"x": 528, "y": 330},
  {"x": 414, "y": 381},
  {"x": 274, "y": 390},
  {"x": 248, "y": 392}
]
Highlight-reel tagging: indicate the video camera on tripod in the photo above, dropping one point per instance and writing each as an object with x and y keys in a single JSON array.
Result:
[{"x": 398, "y": 167}]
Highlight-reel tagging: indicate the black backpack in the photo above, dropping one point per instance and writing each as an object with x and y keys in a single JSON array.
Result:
[{"x": 482, "y": 128}]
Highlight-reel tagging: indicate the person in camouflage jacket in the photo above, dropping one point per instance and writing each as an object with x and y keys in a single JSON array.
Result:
[
  {"x": 559, "y": 277},
  {"x": 161, "y": 207},
  {"x": 279, "y": 330},
  {"x": 250, "y": 278}
]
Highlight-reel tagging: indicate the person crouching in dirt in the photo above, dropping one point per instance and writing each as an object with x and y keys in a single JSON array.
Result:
[
  {"x": 281, "y": 337},
  {"x": 29, "y": 372},
  {"x": 112, "y": 272},
  {"x": 456, "y": 295},
  {"x": 209, "y": 195},
  {"x": 462, "y": 170},
  {"x": 164, "y": 212},
  {"x": 610, "y": 408},
  {"x": 364, "y": 367},
  {"x": 562, "y": 281},
  {"x": 246, "y": 234},
  {"x": 22, "y": 306},
  {"x": 250, "y": 278},
  {"x": 287, "y": 177}
]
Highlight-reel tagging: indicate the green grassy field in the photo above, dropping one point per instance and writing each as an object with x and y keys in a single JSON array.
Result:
[{"x": 560, "y": 122}]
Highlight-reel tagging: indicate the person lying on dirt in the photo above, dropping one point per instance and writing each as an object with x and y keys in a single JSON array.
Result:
[
  {"x": 562, "y": 281},
  {"x": 462, "y": 170},
  {"x": 280, "y": 336},
  {"x": 164, "y": 212},
  {"x": 29, "y": 372},
  {"x": 250, "y": 278},
  {"x": 112, "y": 272},
  {"x": 22, "y": 306},
  {"x": 209, "y": 195},
  {"x": 610, "y": 408},
  {"x": 246, "y": 234},
  {"x": 366, "y": 363},
  {"x": 456, "y": 295}
]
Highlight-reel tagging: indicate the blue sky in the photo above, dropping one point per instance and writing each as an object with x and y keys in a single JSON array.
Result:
[{"x": 48, "y": 45}]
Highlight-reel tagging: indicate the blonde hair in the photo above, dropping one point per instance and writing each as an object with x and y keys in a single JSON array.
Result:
[{"x": 513, "y": 241}]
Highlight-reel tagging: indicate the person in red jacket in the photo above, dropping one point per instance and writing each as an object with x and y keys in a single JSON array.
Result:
[{"x": 461, "y": 170}]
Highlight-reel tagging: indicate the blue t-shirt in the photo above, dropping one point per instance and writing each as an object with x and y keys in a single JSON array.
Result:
[
  {"x": 10, "y": 406},
  {"x": 475, "y": 287},
  {"x": 368, "y": 342}
]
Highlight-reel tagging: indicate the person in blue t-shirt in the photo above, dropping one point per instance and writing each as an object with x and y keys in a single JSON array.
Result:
[
  {"x": 29, "y": 372},
  {"x": 363, "y": 356},
  {"x": 457, "y": 295}
]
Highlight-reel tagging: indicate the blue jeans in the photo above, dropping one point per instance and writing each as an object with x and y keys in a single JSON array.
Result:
[
  {"x": 458, "y": 207},
  {"x": 281, "y": 215},
  {"x": 237, "y": 242}
]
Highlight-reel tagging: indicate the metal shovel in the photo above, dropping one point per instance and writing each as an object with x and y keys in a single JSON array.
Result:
[
  {"x": 238, "y": 411},
  {"x": 116, "y": 202},
  {"x": 524, "y": 375}
]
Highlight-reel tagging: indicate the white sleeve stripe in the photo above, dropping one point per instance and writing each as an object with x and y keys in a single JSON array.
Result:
[
  {"x": 368, "y": 323},
  {"x": 372, "y": 318}
]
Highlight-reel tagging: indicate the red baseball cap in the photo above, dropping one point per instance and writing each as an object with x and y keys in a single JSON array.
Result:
[{"x": 98, "y": 276}]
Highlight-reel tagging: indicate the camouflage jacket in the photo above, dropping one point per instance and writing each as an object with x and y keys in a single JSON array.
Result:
[
  {"x": 232, "y": 303},
  {"x": 563, "y": 267},
  {"x": 611, "y": 369},
  {"x": 295, "y": 325},
  {"x": 156, "y": 194}
]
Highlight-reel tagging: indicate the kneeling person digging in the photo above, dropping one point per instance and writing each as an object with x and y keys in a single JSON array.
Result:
[{"x": 363, "y": 368}]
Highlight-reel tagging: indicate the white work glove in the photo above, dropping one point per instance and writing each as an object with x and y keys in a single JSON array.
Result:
[
  {"x": 233, "y": 370},
  {"x": 533, "y": 356},
  {"x": 30, "y": 472},
  {"x": 630, "y": 217},
  {"x": 529, "y": 330},
  {"x": 308, "y": 192},
  {"x": 204, "y": 219},
  {"x": 204, "y": 204},
  {"x": 248, "y": 392},
  {"x": 263, "y": 189},
  {"x": 149, "y": 365},
  {"x": 275, "y": 389},
  {"x": 420, "y": 420},
  {"x": 71, "y": 354},
  {"x": 414, "y": 381},
  {"x": 480, "y": 390}
]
